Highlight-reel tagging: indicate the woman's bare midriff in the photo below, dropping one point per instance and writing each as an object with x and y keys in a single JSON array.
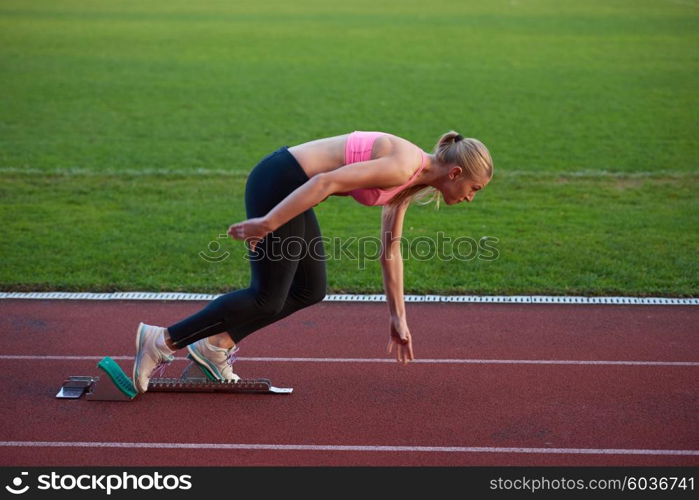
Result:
[
  {"x": 322, "y": 155},
  {"x": 325, "y": 155}
]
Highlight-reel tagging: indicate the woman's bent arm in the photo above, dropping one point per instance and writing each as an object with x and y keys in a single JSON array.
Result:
[
  {"x": 301, "y": 199},
  {"x": 382, "y": 172},
  {"x": 306, "y": 196}
]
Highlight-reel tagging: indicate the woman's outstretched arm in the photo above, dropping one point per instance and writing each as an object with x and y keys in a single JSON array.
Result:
[{"x": 392, "y": 266}]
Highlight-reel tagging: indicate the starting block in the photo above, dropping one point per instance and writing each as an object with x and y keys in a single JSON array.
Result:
[{"x": 115, "y": 385}]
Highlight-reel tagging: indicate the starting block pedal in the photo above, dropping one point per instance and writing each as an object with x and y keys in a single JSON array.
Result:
[{"x": 115, "y": 385}]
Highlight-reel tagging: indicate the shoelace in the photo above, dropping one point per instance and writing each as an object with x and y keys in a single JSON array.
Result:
[
  {"x": 159, "y": 370},
  {"x": 232, "y": 358}
]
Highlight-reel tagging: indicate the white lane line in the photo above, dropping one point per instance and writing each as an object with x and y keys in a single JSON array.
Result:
[
  {"x": 479, "y": 361},
  {"x": 321, "y": 447},
  {"x": 481, "y": 299},
  {"x": 8, "y": 357}
]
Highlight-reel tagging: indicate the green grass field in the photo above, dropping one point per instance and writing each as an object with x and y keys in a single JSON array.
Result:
[{"x": 127, "y": 130}]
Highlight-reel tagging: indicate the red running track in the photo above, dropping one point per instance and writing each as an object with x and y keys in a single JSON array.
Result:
[{"x": 469, "y": 401}]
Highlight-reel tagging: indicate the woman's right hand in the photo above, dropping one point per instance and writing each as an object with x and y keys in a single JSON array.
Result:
[
  {"x": 400, "y": 337},
  {"x": 251, "y": 230}
]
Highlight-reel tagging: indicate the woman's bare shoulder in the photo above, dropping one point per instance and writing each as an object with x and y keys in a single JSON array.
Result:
[
  {"x": 393, "y": 145},
  {"x": 401, "y": 151}
]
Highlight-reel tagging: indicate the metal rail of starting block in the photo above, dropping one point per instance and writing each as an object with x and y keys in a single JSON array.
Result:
[{"x": 193, "y": 379}]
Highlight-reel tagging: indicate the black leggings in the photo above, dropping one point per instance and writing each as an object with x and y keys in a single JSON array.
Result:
[{"x": 288, "y": 265}]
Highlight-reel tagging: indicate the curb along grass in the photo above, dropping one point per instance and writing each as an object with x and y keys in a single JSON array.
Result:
[{"x": 476, "y": 299}]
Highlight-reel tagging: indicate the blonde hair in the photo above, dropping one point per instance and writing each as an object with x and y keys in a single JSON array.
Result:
[{"x": 452, "y": 148}]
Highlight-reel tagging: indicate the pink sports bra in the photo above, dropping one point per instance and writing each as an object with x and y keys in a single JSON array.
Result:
[{"x": 358, "y": 148}]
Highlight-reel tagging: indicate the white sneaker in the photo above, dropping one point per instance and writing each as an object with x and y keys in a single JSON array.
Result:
[
  {"x": 148, "y": 356},
  {"x": 217, "y": 361}
]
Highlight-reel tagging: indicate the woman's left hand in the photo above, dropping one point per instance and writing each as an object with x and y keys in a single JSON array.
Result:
[
  {"x": 251, "y": 231},
  {"x": 400, "y": 337}
]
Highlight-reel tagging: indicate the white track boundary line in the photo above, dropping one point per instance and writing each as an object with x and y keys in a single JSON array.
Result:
[
  {"x": 11, "y": 357},
  {"x": 76, "y": 171},
  {"x": 320, "y": 447},
  {"x": 483, "y": 299},
  {"x": 167, "y": 172}
]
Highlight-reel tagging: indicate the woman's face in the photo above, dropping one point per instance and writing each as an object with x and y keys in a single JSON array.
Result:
[{"x": 457, "y": 188}]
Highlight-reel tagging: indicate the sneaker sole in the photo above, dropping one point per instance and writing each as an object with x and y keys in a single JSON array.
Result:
[
  {"x": 204, "y": 363},
  {"x": 204, "y": 369},
  {"x": 137, "y": 361}
]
